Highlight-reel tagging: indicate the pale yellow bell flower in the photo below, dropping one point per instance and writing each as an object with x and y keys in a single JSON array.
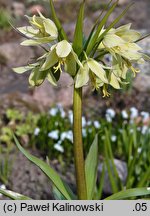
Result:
[
  {"x": 91, "y": 71},
  {"x": 61, "y": 56},
  {"x": 41, "y": 31}
]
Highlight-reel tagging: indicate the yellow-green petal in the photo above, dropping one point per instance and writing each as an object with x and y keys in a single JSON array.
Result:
[
  {"x": 131, "y": 36},
  {"x": 28, "y": 31},
  {"x": 76, "y": 58},
  {"x": 114, "y": 81},
  {"x": 51, "y": 78},
  {"x": 82, "y": 76},
  {"x": 63, "y": 49},
  {"x": 50, "y": 28},
  {"x": 21, "y": 70},
  {"x": 122, "y": 29},
  {"x": 37, "y": 77},
  {"x": 51, "y": 60},
  {"x": 37, "y": 41},
  {"x": 97, "y": 69},
  {"x": 70, "y": 65},
  {"x": 112, "y": 40}
]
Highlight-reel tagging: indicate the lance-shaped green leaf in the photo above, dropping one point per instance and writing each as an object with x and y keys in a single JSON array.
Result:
[
  {"x": 62, "y": 35},
  {"x": 126, "y": 194},
  {"x": 12, "y": 195},
  {"x": 57, "y": 195},
  {"x": 111, "y": 26},
  {"x": 51, "y": 173},
  {"x": 110, "y": 171},
  {"x": 78, "y": 35},
  {"x": 91, "y": 168},
  {"x": 142, "y": 38},
  {"x": 94, "y": 27},
  {"x": 146, "y": 57},
  {"x": 144, "y": 178},
  {"x": 99, "y": 191},
  {"x": 92, "y": 42}
]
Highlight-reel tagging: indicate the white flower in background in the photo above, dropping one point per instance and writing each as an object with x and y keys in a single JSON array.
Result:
[
  {"x": 89, "y": 123},
  {"x": 145, "y": 115},
  {"x": 113, "y": 138},
  {"x": 131, "y": 130},
  {"x": 139, "y": 150},
  {"x": 111, "y": 112},
  {"x": 96, "y": 124},
  {"x": 148, "y": 188},
  {"x": 2, "y": 187},
  {"x": 54, "y": 134},
  {"x": 59, "y": 148},
  {"x": 62, "y": 112},
  {"x": 36, "y": 131},
  {"x": 70, "y": 116},
  {"x": 144, "y": 129},
  {"x": 84, "y": 132},
  {"x": 108, "y": 118},
  {"x": 67, "y": 135},
  {"x": 59, "y": 106},
  {"x": 134, "y": 113},
  {"x": 83, "y": 121},
  {"x": 53, "y": 111},
  {"x": 124, "y": 114}
]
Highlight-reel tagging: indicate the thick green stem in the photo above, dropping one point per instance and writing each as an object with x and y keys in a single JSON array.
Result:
[{"x": 78, "y": 145}]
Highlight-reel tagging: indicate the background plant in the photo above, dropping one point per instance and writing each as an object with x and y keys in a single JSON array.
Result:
[
  {"x": 84, "y": 61},
  {"x": 121, "y": 137},
  {"x": 4, "y": 18}
]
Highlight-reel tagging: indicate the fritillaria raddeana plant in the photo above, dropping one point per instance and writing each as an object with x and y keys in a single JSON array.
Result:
[{"x": 84, "y": 59}]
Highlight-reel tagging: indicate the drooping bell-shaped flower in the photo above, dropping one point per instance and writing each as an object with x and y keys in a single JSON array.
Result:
[
  {"x": 91, "y": 71},
  {"x": 121, "y": 44},
  {"x": 37, "y": 77},
  {"x": 61, "y": 56},
  {"x": 50, "y": 65},
  {"x": 42, "y": 30}
]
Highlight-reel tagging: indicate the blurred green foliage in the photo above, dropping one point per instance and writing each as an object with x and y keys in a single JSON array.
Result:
[
  {"x": 120, "y": 137},
  {"x": 4, "y": 19}
]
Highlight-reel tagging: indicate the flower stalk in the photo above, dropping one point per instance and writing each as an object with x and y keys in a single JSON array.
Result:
[{"x": 78, "y": 145}]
